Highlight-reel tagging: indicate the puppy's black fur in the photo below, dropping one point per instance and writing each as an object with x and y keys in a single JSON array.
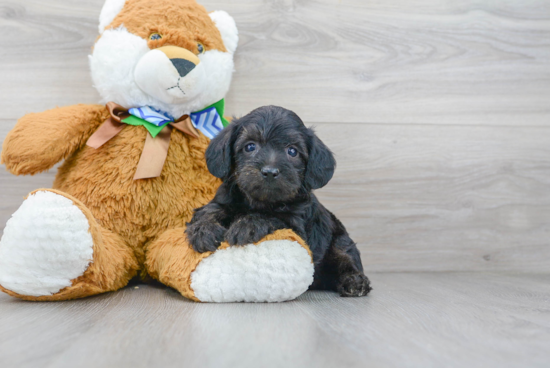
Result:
[{"x": 270, "y": 163}]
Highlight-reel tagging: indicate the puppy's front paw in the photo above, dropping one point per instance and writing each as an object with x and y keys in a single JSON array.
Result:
[
  {"x": 250, "y": 229},
  {"x": 242, "y": 233},
  {"x": 205, "y": 236},
  {"x": 355, "y": 284}
]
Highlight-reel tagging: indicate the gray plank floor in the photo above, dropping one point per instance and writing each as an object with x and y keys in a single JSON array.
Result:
[{"x": 410, "y": 320}]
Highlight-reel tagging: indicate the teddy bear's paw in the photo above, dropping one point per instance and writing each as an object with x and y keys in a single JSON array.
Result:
[
  {"x": 272, "y": 271},
  {"x": 46, "y": 244}
]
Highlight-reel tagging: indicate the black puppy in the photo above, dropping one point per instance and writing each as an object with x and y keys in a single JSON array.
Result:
[{"x": 270, "y": 163}]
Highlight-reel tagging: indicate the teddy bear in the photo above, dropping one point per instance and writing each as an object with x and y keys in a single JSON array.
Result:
[{"x": 134, "y": 170}]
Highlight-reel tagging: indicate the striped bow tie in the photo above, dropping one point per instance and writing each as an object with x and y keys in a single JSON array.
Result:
[{"x": 209, "y": 121}]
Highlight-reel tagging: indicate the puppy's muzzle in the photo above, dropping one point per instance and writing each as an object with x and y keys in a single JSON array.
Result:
[{"x": 183, "y": 60}]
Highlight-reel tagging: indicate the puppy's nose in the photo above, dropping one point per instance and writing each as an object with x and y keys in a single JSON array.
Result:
[
  {"x": 183, "y": 60},
  {"x": 270, "y": 172}
]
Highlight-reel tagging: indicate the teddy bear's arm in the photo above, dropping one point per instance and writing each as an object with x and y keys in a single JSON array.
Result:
[{"x": 39, "y": 141}]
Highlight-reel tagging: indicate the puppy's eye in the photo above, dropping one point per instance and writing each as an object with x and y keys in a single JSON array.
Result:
[
  {"x": 155, "y": 36},
  {"x": 250, "y": 147},
  {"x": 200, "y": 47},
  {"x": 292, "y": 152}
]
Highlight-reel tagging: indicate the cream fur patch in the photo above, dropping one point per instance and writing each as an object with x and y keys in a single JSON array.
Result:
[
  {"x": 273, "y": 271},
  {"x": 46, "y": 244},
  {"x": 156, "y": 75},
  {"x": 228, "y": 29},
  {"x": 110, "y": 10}
]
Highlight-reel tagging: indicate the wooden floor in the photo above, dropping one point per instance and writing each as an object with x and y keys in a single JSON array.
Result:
[
  {"x": 410, "y": 320},
  {"x": 439, "y": 115}
]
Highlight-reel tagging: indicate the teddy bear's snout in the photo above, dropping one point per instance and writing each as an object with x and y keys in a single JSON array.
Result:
[
  {"x": 170, "y": 74},
  {"x": 183, "y": 60}
]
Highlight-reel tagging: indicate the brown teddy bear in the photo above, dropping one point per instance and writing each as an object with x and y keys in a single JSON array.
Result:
[{"x": 134, "y": 171}]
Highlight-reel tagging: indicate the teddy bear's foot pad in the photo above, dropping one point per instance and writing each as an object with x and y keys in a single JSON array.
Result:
[
  {"x": 46, "y": 244},
  {"x": 272, "y": 271}
]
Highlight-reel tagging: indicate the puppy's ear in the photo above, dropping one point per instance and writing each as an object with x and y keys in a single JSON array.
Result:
[
  {"x": 320, "y": 164},
  {"x": 218, "y": 153}
]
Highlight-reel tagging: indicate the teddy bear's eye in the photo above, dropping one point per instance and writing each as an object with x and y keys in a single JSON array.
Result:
[
  {"x": 200, "y": 47},
  {"x": 155, "y": 36}
]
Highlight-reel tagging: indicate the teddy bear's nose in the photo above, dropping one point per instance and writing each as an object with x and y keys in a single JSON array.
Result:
[
  {"x": 183, "y": 60},
  {"x": 183, "y": 66}
]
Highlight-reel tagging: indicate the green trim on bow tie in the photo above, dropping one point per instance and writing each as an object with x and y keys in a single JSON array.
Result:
[{"x": 151, "y": 128}]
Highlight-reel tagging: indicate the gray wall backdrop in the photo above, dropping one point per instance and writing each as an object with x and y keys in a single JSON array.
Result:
[{"x": 438, "y": 112}]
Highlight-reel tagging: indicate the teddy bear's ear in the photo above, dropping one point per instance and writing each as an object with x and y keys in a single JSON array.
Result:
[
  {"x": 109, "y": 12},
  {"x": 226, "y": 24}
]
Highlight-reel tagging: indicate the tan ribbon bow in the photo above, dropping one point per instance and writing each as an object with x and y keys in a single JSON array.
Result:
[{"x": 155, "y": 150}]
